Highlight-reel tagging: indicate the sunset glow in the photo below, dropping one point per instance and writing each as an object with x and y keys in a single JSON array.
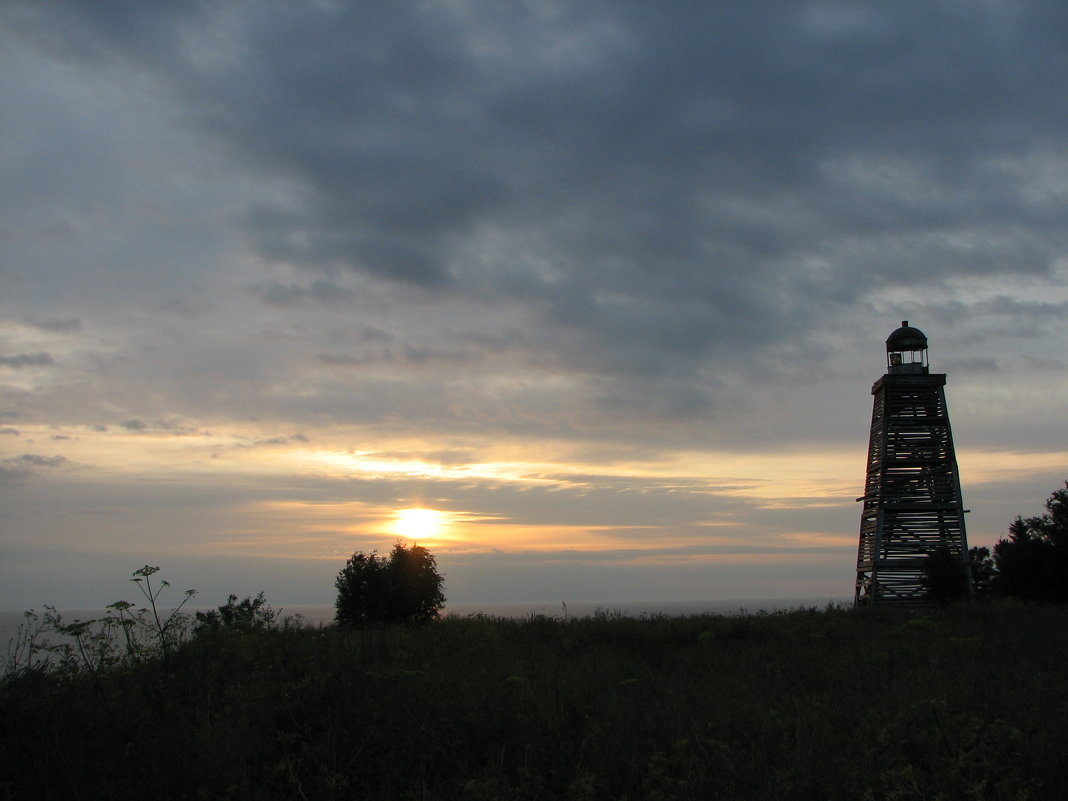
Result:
[{"x": 421, "y": 525}]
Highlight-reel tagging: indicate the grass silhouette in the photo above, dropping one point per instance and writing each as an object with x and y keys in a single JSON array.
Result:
[{"x": 965, "y": 702}]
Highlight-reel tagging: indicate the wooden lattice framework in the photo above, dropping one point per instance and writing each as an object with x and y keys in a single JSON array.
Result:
[{"x": 912, "y": 499}]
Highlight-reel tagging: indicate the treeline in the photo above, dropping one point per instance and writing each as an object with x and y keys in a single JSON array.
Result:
[{"x": 1030, "y": 564}]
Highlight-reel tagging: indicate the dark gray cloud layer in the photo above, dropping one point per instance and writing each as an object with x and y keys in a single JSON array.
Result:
[
  {"x": 662, "y": 215},
  {"x": 674, "y": 182}
]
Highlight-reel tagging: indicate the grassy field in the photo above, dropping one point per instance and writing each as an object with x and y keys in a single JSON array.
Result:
[{"x": 968, "y": 702}]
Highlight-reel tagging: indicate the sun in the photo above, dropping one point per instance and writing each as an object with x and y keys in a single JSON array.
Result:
[{"x": 418, "y": 524}]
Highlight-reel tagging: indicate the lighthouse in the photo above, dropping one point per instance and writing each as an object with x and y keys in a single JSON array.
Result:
[{"x": 912, "y": 499}]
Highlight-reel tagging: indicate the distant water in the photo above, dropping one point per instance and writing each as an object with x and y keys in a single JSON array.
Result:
[
  {"x": 316, "y": 615},
  {"x": 639, "y": 608}
]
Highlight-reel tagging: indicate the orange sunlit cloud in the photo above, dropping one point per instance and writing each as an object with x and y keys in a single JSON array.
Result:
[
  {"x": 326, "y": 530},
  {"x": 985, "y": 467},
  {"x": 331, "y": 528},
  {"x": 781, "y": 481},
  {"x": 791, "y": 557},
  {"x": 818, "y": 539}
]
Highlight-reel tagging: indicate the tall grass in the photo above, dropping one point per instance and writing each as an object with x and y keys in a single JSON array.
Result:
[{"x": 961, "y": 703}]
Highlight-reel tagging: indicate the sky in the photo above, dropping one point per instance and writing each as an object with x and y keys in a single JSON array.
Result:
[{"x": 601, "y": 287}]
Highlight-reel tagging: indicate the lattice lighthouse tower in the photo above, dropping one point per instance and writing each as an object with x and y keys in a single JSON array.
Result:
[{"x": 912, "y": 500}]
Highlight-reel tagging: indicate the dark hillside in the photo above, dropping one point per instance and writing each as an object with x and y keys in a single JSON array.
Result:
[{"x": 961, "y": 703}]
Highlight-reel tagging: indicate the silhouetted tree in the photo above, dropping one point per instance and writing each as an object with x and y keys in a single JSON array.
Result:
[
  {"x": 1033, "y": 562},
  {"x": 945, "y": 576},
  {"x": 403, "y": 588}
]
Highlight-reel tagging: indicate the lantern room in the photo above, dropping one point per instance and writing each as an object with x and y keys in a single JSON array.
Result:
[{"x": 906, "y": 351}]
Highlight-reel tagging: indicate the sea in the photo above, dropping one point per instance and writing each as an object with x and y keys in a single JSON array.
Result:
[{"x": 12, "y": 620}]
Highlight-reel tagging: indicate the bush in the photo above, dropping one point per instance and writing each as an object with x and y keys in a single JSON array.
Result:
[
  {"x": 247, "y": 615},
  {"x": 403, "y": 588}
]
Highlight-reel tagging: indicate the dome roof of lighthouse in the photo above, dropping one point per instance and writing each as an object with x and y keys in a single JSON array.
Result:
[{"x": 906, "y": 338}]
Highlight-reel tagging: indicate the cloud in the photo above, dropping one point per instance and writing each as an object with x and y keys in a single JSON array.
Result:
[
  {"x": 653, "y": 191},
  {"x": 424, "y": 354},
  {"x": 292, "y": 294},
  {"x": 13, "y": 473},
  {"x": 620, "y": 190},
  {"x": 349, "y": 360},
  {"x": 177, "y": 429},
  {"x": 27, "y": 360},
  {"x": 58, "y": 326},
  {"x": 22, "y": 467},
  {"x": 372, "y": 334},
  {"x": 42, "y": 461},
  {"x": 283, "y": 440}
]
